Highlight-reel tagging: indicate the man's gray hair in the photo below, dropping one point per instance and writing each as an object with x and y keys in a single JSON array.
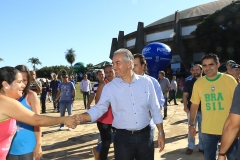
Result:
[{"x": 127, "y": 55}]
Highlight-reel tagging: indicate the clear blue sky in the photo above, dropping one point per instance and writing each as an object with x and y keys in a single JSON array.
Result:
[{"x": 47, "y": 28}]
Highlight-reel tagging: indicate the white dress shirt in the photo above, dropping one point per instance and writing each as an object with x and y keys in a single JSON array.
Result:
[
  {"x": 130, "y": 103},
  {"x": 85, "y": 85}
]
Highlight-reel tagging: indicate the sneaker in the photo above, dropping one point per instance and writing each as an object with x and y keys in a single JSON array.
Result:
[
  {"x": 175, "y": 104},
  {"x": 61, "y": 128},
  {"x": 164, "y": 118},
  {"x": 55, "y": 110},
  {"x": 95, "y": 153},
  {"x": 189, "y": 151},
  {"x": 69, "y": 129},
  {"x": 169, "y": 102}
]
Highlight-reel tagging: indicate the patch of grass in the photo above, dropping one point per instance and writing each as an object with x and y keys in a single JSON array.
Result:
[{"x": 79, "y": 96}]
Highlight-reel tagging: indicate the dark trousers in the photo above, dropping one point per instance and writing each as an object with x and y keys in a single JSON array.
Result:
[
  {"x": 43, "y": 102},
  {"x": 53, "y": 99},
  {"x": 173, "y": 96},
  {"x": 28, "y": 156},
  {"x": 165, "y": 107},
  {"x": 106, "y": 137},
  {"x": 86, "y": 97},
  {"x": 129, "y": 146}
]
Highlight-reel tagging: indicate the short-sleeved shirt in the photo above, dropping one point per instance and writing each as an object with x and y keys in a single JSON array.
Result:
[
  {"x": 33, "y": 86},
  {"x": 66, "y": 91},
  {"x": 188, "y": 87},
  {"x": 94, "y": 88},
  {"x": 235, "y": 109},
  {"x": 165, "y": 84},
  {"x": 216, "y": 97}
]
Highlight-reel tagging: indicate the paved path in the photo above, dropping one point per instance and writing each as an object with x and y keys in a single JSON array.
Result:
[{"x": 77, "y": 144}]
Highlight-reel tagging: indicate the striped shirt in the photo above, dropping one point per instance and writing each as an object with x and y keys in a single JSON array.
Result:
[
  {"x": 94, "y": 87},
  {"x": 130, "y": 103}
]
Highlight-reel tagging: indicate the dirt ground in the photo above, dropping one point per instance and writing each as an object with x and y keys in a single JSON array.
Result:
[{"x": 77, "y": 144}]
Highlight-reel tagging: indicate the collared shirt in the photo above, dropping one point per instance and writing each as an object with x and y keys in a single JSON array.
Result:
[
  {"x": 85, "y": 85},
  {"x": 173, "y": 85},
  {"x": 165, "y": 84},
  {"x": 130, "y": 103},
  {"x": 189, "y": 78},
  {"x": 158, "y": 90}
]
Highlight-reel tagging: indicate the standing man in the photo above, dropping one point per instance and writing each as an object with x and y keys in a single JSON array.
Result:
[
  {"x": 131, "y": 97},
  {"x": 231, "y": 127},
  {"x": 100, "y": 77},
  {"x": 140, "y": 68},
  {"x": 187, "y": 93},
  {"x": 66, "y": 96},
  {"x": 104, "y": 123},
  {"x": 53, "y": 89},
  {"x": 173, "y": 91},
  {"x": 35, "y": 85},
  {"x": 229, "y": 64},
  {"x": 215, "y": 92},
  {"x": 236, "y": 72},
  {"x": 165, "y": 85},
  {"x": 85, "y": 88}
]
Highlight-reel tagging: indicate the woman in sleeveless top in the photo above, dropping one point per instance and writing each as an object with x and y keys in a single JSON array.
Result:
[
  {"x": 26, "y": 143},
  {"x": 11, "y": 88}
]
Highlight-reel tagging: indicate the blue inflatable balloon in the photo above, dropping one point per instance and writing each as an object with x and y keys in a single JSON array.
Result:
[{"x": 158, "y": 56}]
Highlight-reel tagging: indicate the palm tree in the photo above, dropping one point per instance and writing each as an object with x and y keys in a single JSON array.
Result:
[
  {"x": 34, "y": 61},
  {"x": 1, "y": 59},
  {"x": 70, "y": 56}
]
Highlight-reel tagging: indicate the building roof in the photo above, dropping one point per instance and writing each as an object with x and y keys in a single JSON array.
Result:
[{"x": 196, "y": 11}]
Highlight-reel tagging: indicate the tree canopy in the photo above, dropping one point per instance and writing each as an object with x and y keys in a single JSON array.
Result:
[
  {"x": 220, "y": 32},
  {"x": 70, "y": 56},
  {"x": 45, "y": 72},
  {"x": 34, "y": 61}
]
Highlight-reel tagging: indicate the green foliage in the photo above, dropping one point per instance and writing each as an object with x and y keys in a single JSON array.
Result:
[
  {"x": 70, "y": 56},
  {"x": 220, "y": 32},
  {"x": 45, "y": 72},
  {"x": 34, "y": 61},
  {"x": 1, "y": 59}
]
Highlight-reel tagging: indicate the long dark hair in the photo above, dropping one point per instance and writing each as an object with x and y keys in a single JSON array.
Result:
[{"x": 25, "y": 69}]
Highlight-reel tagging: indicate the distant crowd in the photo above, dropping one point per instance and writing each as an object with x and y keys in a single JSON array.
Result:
[{"x": 128, "y": 108}]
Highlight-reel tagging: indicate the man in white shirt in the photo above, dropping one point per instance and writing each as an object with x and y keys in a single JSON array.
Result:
[
  {"x": 173, "y": 91},
  {"x": 85, "y": 88},
  {"x": 131, "y": 97}
]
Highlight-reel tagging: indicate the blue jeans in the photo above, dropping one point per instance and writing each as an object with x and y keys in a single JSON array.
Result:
[
  {"x": 62, "y": 107},
  {"x": 128, "y": 146},
  {"x": 191, "y": 140},
  {"x": 210, "y": 145}
]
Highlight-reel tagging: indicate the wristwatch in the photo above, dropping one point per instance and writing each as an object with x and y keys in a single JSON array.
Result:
[
  {"x": 191, "y": 125},
  {"x": 161, "y": 134}
]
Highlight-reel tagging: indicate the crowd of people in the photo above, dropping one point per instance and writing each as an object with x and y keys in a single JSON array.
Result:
[{"x": 128, "y": 107}]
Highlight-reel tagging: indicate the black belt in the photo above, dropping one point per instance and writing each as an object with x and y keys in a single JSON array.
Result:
[{"x": 147, "y": 128}]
